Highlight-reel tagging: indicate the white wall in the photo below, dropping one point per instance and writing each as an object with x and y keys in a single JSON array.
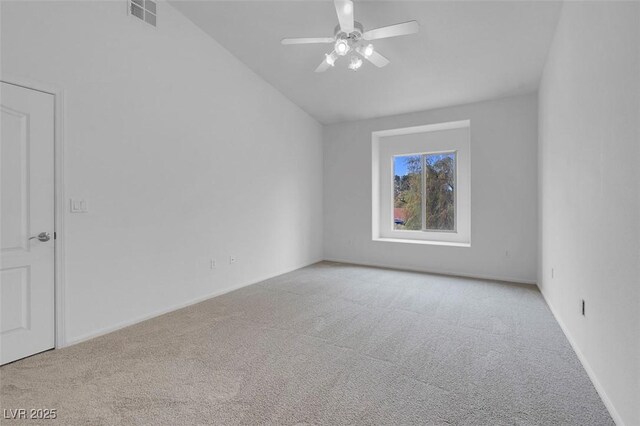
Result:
[
  {"x": 503, "y": 193},
  {"x": 182, "y": 153},
  {"x": 589, "y": 193}
]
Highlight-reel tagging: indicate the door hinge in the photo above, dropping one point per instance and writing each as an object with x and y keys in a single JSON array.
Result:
[{"x": 55, "y": 235}]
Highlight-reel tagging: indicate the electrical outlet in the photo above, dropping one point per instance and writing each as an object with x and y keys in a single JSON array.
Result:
[
  {"x": 232, "y": 260},
  {"x": 212, "y": 264}
]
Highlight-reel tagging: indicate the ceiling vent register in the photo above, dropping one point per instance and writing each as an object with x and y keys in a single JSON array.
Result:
[{"x": 144, "y": 10}]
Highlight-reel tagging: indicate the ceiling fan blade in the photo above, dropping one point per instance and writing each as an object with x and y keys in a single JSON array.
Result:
[
  {"x": 324, "y": 65},
  {"x": 308, "y": 40},
  {"x": 344, "y": 9},
  {"x": 396, "y": 30},
  {"x": 377, "y": 59}
]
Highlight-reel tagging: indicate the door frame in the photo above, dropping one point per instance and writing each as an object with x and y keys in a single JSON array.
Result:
[{"x": 59, "y": 197}]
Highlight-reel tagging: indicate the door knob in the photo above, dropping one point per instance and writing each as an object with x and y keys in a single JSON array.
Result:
[{"x": 43, "y": 236}]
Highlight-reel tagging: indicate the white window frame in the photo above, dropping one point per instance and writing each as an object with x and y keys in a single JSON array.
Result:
[{"x": 419, "y": 140}]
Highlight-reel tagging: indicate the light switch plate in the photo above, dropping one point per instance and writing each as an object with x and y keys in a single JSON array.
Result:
[{"x": 78, "y": 205}]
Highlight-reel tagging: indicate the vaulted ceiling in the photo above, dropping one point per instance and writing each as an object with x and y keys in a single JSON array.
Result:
[{"x": 466, "y": 51}]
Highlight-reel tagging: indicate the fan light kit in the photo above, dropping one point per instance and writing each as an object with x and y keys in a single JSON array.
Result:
[
  {"x": 330, "y": 59},
  {"x": 342, "y": 47},
  {"x": 355, "y": 63},
  {"x": 368, "y": 51},
  {"x": 349, "y": 36}
]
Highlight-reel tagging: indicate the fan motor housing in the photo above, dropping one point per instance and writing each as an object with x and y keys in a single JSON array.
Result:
[{"x": 355, "y": 35}]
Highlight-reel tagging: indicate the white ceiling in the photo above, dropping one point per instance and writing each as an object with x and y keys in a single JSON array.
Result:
[{"x": 464, "y": 52}]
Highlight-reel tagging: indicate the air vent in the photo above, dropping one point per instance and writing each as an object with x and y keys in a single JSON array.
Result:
[{"x": 144, "y": 10}]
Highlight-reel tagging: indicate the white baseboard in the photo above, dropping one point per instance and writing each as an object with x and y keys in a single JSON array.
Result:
[
  {"x": 436, "y": 271},
  {"x": 136, "y": 320},
  {"x": 585, "y": 364}
]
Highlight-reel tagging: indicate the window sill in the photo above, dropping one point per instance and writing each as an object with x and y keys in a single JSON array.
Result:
[{"x": 423, "y": 242}]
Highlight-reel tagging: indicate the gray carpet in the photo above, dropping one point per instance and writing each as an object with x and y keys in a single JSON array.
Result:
[{"x": 327, "y": 344}]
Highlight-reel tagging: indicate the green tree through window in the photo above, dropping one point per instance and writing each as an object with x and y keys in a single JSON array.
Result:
[{"x": 431, "y": 209}]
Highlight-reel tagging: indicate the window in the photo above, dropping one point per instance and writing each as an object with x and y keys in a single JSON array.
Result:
[
  {"x": 421, "y": 184},
  {"x": 424, "y": 192}
]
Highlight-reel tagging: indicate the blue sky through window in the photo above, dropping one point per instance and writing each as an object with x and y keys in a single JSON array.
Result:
[
  {"x": 401, "y": 163},
  {"x": 434, "y": 158},
  {"x": 400, "y": 166}
]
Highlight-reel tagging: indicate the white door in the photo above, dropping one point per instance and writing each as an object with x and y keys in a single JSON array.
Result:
[{"x": 27, "y": 210}]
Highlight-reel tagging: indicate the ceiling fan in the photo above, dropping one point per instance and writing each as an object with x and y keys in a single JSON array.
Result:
[{"x": 349, "y": 36}]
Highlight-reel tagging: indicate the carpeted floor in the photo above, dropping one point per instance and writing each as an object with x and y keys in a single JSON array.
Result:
[{"x": 327, "y": 344}]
